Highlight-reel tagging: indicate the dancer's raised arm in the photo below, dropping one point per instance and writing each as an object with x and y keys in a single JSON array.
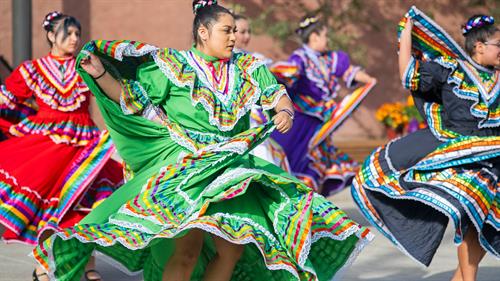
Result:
[
  {"x": 93, "y": 66},
  {"x": 405, "y": 48}
]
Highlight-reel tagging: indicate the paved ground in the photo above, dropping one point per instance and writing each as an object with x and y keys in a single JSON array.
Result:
[{"x": 379, "y": 262}]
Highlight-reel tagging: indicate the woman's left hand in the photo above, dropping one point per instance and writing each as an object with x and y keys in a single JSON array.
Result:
[{"x": 283, "y": 122}]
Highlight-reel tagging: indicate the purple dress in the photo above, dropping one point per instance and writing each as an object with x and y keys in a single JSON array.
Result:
[{"x": 313, "y": 89}]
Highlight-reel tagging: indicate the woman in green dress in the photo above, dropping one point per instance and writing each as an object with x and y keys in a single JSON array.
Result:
[{"x": 199, "y": 206}]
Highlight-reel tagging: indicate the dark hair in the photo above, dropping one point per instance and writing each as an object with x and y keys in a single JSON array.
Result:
[
  {"x": 477, "y": 29},
  {"x": 206, "y": 15},
  {"x": 308, "y": 27},
  {"x": 239, "y": 17},
  {"x": 57, "y": 22}
]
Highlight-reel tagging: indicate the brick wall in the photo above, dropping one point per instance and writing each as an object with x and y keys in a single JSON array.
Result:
[{"x": 167, "y": 23}]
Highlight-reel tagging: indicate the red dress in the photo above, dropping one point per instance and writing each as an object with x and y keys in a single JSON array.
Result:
[{"x": 56, "y": 164}]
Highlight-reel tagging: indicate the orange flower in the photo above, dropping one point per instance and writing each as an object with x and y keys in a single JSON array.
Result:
[{"x": 410, "y": 101}]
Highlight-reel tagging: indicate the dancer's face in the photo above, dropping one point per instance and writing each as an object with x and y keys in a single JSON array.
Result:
[
  {"x": 319, "y": 41},
  {"x": 65, "y": 43},
  {"x": 219, "y": 40},
  {"x": 243, "y": 33},
  {"x": 489, "y": 52}
]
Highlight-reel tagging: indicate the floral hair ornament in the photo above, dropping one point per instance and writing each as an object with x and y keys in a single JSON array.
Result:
[
  {"x": 306, "y": 23},
  {"x": 203, "y": 3},
  {"x": 49, "y": 18},
  {"x": 477, "y": 22}
]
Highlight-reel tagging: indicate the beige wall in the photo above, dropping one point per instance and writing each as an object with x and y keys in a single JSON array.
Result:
[{"x": 168, "y": 23}]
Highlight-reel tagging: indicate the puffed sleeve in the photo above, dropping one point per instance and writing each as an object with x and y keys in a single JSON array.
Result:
[
  {"x": 270, "y": 90},
  {"x": 150, "y": 87},
  {"x": 137, "y": 135},
  {"x": 424, "y": 76},
  {"x": 288, "y": 72},
  {"x": 344, "y": 68},
  {"x": 15, "y": 90}
]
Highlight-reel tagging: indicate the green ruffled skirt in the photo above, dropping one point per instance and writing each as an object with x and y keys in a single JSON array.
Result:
[{"x": 289, "y": 232}]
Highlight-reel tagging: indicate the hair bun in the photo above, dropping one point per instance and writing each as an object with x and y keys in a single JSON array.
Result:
[
  {"x": 477, "y": 22},
  {"x": 49, "y": 18},
  {"x": 306, "y": 22},
  {"x": 200, "y": 4}
]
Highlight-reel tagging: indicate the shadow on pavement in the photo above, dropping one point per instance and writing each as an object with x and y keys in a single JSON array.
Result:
[{"x": 487, "y": 273}]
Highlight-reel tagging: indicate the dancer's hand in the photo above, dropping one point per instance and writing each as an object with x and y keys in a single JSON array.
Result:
[
  {"x": 109, "y": 85},
  {"x": 283, "y": 122},
  {"x": 92, "y": 65},
  {"x": 409, "y": 24}
]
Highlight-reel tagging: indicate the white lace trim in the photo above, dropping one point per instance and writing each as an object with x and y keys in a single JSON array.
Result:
[
  {"x": 186, "y": 179},
  {"x": 447, "y": 186},
  {"x": 189, "y": 224},
  {"x": 181, "y": 156},
  {"x": 457, "y": 223},
  {"x": 441, "y": 159},
  {"x": 135, "y": 226},
  {"x": 492, "y": 224},
  {"x": 28, "y": 189},
  {"x": 319, "y": 83},
  {"x": 123, "y": 103},
  {"x": 239, "y": 172},
  {"x": 181, "y": 140},
  {"x": 281, "y": 92},
  {"x": 350, "y": 78},
  {"x": 201, "y": 71},
  {"x": 125, "y": 211},
  {"x": 207, "y": 135},
  {"x": 7, "y": 98},
  {"x": 432, "y": 125},
  {"x": 224, "y": 99},
  {"x": 484, "y": 93},
  {"x": 129, "y": 50},
  {"x": 258, "y": 63},
  {"x": 359, "y": 247},
  {"x": 307, "y": 54},
  {"x": 483, "y": 123},
  {"x": 248, "y": 240},
  {"x": 282, "y": 205},
  {"x": 169, "y": 74},
  {"x": 380, "y": 225},
  {"x": 185, "y": 226},
  {"x": 46, "y": 92},
  {"x": 436, "y": 26},
  {"x": 156, "y": 114},
  {"x": 240, "y": 113},
  {"x": 388, "y": 159},
  {"x": 408, "y": 67},
  {"x": 239, "y": 147}
]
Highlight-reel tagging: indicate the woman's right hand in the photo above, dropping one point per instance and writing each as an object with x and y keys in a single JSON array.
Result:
[
  {"x": 109, "y": 85},
  {"x": 92, "y": 65}
]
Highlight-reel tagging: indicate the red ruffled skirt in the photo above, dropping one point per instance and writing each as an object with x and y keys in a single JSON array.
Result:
[{"x": 44, "y": 184}]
